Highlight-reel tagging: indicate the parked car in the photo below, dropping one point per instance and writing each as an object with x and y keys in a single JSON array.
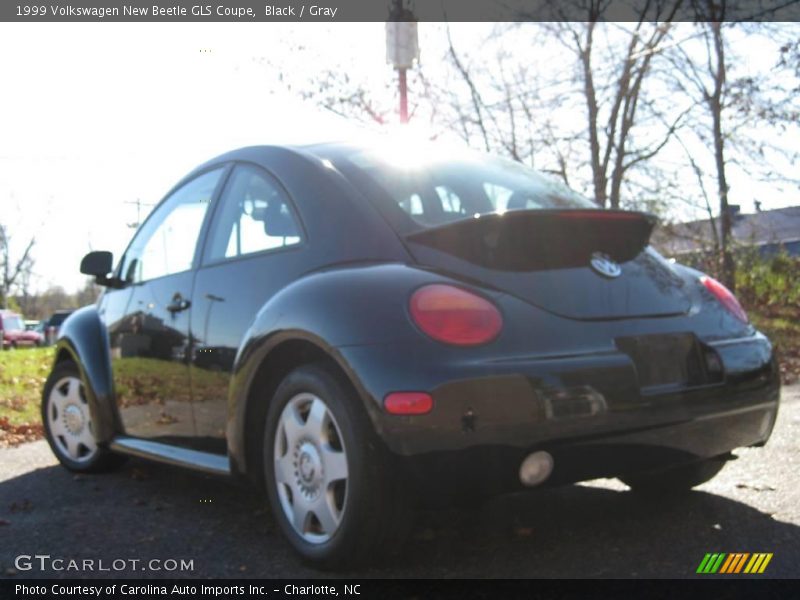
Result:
[
  {"x": 357, "y": 330},
  {"x": 32, "y": 324},
  {"x": 51, "y": 326},
  {"x": 14, "y": 333}
]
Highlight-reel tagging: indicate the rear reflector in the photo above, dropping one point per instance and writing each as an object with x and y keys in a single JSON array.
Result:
[
  {"x": 454, "y": 316},
  {"x": 726, "y": 298},
  {"x": 408, "y": 403}
]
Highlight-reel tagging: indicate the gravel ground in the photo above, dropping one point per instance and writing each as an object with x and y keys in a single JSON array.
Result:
[{"x": 596, "y": 529}]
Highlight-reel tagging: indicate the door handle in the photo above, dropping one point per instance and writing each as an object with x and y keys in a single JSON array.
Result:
[{"x": 178, "y": 304}]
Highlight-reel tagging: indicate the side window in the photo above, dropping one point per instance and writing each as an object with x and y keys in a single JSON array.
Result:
[
  {"x": 451, "y": 203},
  {"x": 254, "y": 215},
  {"x": 412, "y": 205},
  {"x": 498, "y": 195},
  {"x": 167, "y": 241}
]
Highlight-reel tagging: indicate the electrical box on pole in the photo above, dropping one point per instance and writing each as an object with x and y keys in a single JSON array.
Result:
[
  {"x": 402, "y": 51},
  {"x": 402, "y": 45}
]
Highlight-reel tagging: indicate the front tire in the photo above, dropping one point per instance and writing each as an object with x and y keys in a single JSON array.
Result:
[
  {"x": 68, "y": 423},
  {"x": 326, "y": 472},
  {"x": 676, "y": 479}
]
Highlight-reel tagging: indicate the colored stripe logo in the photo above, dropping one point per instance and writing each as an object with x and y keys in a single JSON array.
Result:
[{"x": 736, "y": 562}]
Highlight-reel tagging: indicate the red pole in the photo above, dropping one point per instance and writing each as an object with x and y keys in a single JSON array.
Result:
[{"x": 403, "y": 96}]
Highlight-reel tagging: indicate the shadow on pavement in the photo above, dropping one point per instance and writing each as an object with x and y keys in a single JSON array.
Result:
[{"x": 150, "y": 511}]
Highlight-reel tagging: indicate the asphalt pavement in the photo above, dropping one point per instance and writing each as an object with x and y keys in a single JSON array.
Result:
[{"x": 597, "y": 529}]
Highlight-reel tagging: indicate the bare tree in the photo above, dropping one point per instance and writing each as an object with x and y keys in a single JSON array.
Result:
[
  {"x": 11, "y": 270},
  {"x": 343, "y": 91},
  {"x": 614, "y": 93},
  {"x": 600, "y": 115},
  {"x": 88, "y": 294},
  {"x": 713, "y": 98},
  {"x": 529, "y": 115},
  {"x": 704, "y": 74}
]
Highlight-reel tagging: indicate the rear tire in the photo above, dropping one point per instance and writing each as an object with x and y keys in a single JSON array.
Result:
[
  {"x": 675, "y": 479},
  {"x": 68, "y": 424},
  {"x": 327, "y": 474}
]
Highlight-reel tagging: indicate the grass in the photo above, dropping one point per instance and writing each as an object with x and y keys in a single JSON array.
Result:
[
  {"x": 22, "y": 376},
  {"x": 783, "y": 329},
  {"x": 140, "y": 380}
]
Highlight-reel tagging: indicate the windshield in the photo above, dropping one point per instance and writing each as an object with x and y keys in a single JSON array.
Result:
[
  {"x": 13, "y": 324},
  {"x": 425, "y": 189}
]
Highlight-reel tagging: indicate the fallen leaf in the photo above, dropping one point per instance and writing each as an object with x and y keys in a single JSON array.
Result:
[{"x": 756, "y": 488}]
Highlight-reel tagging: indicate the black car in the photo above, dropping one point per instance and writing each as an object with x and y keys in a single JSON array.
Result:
[
  {"x": 50, "y": 328},
  {"x": 356, "y": 329}
]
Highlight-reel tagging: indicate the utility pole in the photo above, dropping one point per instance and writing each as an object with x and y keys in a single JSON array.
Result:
[
  {"x": 401, "y": 72},
  {"x": 402, "y": 47}
]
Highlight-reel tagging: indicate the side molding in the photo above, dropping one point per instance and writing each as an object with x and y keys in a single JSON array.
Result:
[{"x": 214, "y": 464}]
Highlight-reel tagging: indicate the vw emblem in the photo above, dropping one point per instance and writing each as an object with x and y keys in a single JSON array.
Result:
[{"x": 605, "y": 266}]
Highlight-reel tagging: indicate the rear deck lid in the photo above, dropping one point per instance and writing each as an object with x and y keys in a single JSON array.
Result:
[{"x": 583, "y": 264}]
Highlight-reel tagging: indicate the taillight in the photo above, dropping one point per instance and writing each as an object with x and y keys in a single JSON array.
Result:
[
  {"x": 454, "y": 316},
  {"x": 726, "y": 298},
  {"x": 408, "y": 403}
]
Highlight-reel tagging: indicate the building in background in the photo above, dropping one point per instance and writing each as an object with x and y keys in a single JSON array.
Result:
[{"x": 770, "y": 231}]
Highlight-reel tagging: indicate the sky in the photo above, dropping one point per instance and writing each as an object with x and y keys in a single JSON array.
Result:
[{"x": 97, "y": 116}]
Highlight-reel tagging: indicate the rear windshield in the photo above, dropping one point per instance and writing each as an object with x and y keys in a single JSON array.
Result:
[{"x": 427, "y": 189}]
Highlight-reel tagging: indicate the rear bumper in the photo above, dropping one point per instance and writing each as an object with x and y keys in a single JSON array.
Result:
[{"x": 587, "y": 410}]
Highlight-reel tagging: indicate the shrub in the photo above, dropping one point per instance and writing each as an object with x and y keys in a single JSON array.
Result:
[{"x": 770, "y": 284}]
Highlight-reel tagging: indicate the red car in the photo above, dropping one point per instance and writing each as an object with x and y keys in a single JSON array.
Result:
[{"x": 14, "y": 333}]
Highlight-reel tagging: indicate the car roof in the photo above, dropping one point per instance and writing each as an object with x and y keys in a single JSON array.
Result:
[
  {"x": 316, "y": 150},
  {"x": 333, "y": 231}
]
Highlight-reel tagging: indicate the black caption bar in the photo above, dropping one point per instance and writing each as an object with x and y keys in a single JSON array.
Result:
[
  {"x": 389, "y": 10},
  {"x": 217, "y": 589}
]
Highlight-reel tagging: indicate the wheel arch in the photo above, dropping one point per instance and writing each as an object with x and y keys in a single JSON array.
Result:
[
  {"x": 251, "y": 401},
  {"x": 82, "y": 340},
  {"x": 318, "y": 318}
]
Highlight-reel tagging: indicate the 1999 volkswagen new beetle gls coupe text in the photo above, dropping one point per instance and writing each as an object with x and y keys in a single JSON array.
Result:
[{"x": 355, "y": 329}]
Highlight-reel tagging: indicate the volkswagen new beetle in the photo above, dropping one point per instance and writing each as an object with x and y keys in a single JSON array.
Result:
[{"x": 355, "y": 328}]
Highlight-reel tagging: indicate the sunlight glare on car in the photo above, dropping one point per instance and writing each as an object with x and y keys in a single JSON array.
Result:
[{"x": 410, "y": 148}]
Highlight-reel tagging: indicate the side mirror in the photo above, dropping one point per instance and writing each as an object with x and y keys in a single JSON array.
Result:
[{"x": 99, "y": 263}]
